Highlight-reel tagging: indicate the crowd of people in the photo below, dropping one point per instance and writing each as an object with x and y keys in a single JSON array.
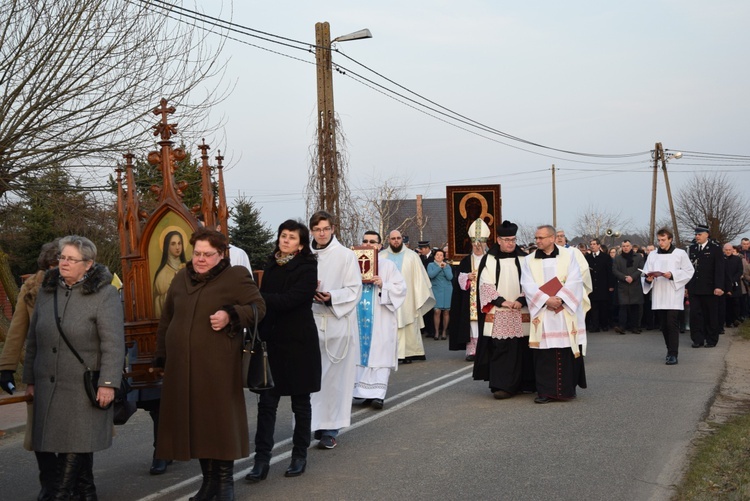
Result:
[{"x": 521, "y": 315}]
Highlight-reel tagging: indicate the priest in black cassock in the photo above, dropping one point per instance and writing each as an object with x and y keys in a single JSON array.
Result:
[{"x": 503, "y": 355}]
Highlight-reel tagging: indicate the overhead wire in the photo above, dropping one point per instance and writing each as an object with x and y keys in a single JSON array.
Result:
[{"x": 441, "y": 110}]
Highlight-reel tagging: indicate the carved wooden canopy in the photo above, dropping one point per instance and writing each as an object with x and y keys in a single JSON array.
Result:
[{"x": 147, "y": 239}]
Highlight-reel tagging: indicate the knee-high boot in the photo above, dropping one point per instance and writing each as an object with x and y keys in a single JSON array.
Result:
[
  {"x": 210, "y": 482},
  {"x": 224, "y": 472},
  {"x": 68, "y": 470},
  {"x": 47, "y": 462},
  {"x": 85, "y": 488}
]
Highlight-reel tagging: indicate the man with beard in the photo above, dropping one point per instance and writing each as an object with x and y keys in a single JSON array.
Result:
[
  {"x": 503, "y": 354},
  {"x": 665, "y": 275},
  {"x": 335, "y": 312},
  {"x": 378, "y": 327},
  {"x": 552, "y": 283},
  {"x": 629, "y": 290},
  {"x": 705, "y": 289},
  {"x": 419, "y": 298}
]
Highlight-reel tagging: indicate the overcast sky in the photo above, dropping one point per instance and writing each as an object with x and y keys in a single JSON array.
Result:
[{"x": 591, "y": 77}]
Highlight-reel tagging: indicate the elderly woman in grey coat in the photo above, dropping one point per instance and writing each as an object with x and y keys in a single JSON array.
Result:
[{"x": 90, "y": 314}]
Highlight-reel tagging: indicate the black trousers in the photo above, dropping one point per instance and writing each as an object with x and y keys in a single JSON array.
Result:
[
  {"x": 670, "y": 328},
  {"x": 597, "y": 318},
  {"x": 267, "y": 406},
  {"x": 630, "y": 316},
  {"x": 704, "y": 318}
]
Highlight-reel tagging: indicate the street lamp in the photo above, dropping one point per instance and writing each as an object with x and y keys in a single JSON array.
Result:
[{"x": 327, "y": 172}]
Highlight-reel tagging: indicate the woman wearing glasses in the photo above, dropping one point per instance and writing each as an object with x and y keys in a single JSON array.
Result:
[
  {"x": 199, "y": 341},
  {"x": 77, "y": 300}
]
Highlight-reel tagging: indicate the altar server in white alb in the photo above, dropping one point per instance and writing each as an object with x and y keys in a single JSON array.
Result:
[
  {"x": 335, "y": 312},
  {"x": 378, "y": 327},
  {"x": 665, "y": 274},
  {"x": 558, "y": 318}
]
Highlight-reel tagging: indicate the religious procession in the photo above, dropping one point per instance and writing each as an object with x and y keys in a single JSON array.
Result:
[{"x": 160, "y": 342}]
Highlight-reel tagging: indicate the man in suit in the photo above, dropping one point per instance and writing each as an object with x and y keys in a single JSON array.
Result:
[
  {"x": 425, "y": 254},
  {"x": 705, "y": 289},
  {"x": 603, "y": 283}
]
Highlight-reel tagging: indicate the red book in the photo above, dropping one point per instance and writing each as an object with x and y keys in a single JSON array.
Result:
[{"x": 551, "y": 288}]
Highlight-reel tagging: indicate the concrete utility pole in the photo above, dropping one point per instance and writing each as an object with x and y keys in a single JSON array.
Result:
[{"x": 328, "y": 174}]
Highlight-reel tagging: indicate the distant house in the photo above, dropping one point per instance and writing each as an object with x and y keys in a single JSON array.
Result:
[{"x": 434, "y": 217}]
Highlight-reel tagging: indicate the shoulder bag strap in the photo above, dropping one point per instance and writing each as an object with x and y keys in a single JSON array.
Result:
[
  {"x": 253, "y": 336},
  {"x": 59, "y": 328}
]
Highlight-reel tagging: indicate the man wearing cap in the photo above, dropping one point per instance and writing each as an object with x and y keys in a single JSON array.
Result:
[
  {"x": 503, "y": 355},
  {"x": 664, "y": 275},
  {"x": 705, "y": 289},
  {"x": 552, "y": 283},
  {"x": 463, "y": 327},
  {"x": 419, "y": 299}
]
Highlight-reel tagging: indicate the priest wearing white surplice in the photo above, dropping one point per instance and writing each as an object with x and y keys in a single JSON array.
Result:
[
  {"x": 558, "y": 318},
  {"x": 378, "y": 327},
  {"x": 419, "y": 298},
  {"x": 665, "y": 274},
  {"x": 335, "y": 312}
]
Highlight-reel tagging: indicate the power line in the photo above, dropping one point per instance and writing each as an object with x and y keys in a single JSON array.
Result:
[{"x": 447, "y": 112}]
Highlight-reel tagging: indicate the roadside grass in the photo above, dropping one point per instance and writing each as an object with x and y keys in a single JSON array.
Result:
[{"x": 720, "y": 465}]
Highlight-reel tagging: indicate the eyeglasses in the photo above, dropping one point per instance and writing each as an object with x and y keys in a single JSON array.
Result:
[
  {"x": 542, "y": 238},
  {"x": 70, "y": 259},
  {"x": 370, "y": 241},
  {"x": 322, "y": 230},
  {"x": 510, "y": 240},
  {"x": 207, "y": 255}
]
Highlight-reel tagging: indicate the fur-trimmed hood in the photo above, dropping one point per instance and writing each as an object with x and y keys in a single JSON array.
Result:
[
  {"x": 33, "y": 283},
  {"x": 96, "y": 278}
]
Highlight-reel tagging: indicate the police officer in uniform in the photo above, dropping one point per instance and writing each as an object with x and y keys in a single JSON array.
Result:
[{"x": 705, "y": 289}]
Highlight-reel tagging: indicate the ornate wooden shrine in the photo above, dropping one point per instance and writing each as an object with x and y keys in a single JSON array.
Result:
[{"x": 146, "y": 239}]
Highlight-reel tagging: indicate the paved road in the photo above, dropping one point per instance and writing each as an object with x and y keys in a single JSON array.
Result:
[{"x": 442, "y": 436}]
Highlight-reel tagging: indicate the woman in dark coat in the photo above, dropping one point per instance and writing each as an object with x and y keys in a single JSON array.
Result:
[
  {"x": 199, "y": 345},
  {"x": 65, "y": 421},
  {"x": 289, "y": 282}
]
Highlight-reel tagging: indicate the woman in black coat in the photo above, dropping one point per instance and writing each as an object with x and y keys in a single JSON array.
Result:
[{"x": 288, "y": 286}]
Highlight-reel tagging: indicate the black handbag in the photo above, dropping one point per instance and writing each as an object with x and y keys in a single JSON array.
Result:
[
  {"x": 256, "y": 372},
  {"x": 90, "y": 376}
]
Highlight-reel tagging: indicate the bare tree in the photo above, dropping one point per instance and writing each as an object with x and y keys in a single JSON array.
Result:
[
  {"x": 594, "y": 222},
  {"x": 77, "y": 77},
  {"x": 348, "y": 218},
  {"x": 711, "y": 199},
  {"x": 380, "y": 201}
]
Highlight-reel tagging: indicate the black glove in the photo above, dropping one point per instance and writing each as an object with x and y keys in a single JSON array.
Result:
[{"x": 7, "y": 381}]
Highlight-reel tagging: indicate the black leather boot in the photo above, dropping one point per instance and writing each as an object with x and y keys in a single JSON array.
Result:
[
  {"x": 85, "y": 488},
  {"x": 47, "y": 462},
  {"x": 259, "y": 472},
  {"x": 210, "y": 482},
  {"x": 68, "y": 470},
  {"x": 224, "y": 471}
]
